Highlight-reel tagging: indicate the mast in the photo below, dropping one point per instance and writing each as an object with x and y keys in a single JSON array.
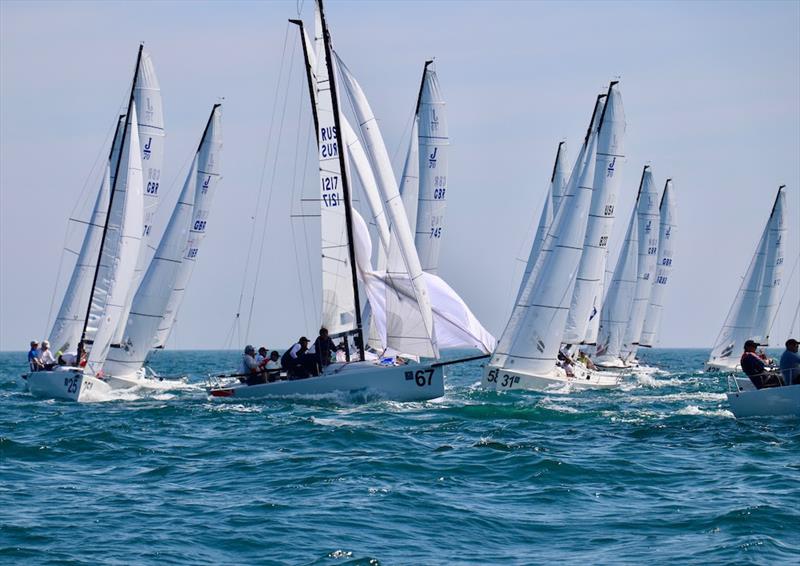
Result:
[
  {"x": 594, "y": 113},
  {"x": 607, "y": 95},
  {"x": 663, "y": 194},
  {"x": 110, "y": 200},
  {"x": 345, "y": 185},
  {"x": 641, "y": 182},
  {"x": 208, "y": 125},
  {"x": 309, "y": 78},
  {"x": 422, "y": 85},
  {"x": 555, "y": 163}
]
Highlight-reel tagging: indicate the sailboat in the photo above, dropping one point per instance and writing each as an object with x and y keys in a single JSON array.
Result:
[
  {"x": 527, "y": 354},
  {"x": 102, "y": 281},
  {"x": 623, "y": 314},
  {"x": 666, "y": 253},
  {"x": 160, "y": 294},
  {"x": 399, "y": 295},
  {"x": 755, "y": 305}
]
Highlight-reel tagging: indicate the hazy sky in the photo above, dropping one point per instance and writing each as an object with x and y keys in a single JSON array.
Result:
[{"x": 711, "y": 93}]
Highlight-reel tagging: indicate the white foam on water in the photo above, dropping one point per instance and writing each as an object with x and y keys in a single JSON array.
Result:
[{"x": 694, "y": 410}]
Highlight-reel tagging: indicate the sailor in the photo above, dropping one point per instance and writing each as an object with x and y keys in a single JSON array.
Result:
[
  {"x": 790, "y": 363},
  {"x": 46, "y": 356},
  {"x": 272, "y": 366},
  {"x": 34, "y": 359},
  {"x": 261, "y": 357},
  {"x": 249, "y": 369},
  {"x": 584, "y": 358},
  {"x": 754, "y": 367},
  {"x": 297, "y": 361},
  {"x": 323, "y": 347},
  {"x": 68, "y": 359}
]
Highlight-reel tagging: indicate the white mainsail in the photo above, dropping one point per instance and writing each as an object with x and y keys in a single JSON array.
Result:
[
  {"x": 648, "y": 221},
  {"x": 587, "y": 296},
  {"x": 161, "y": 291},
  {"x": 532, "y": 338},
  {"x": 616, "y": 310},
  {"x": 666, "y": 251},
  {"x": 773, "y": 271},
  {"x": 150, "y": 112},
  {"x": 409, "y": 328},
  {"x": 431, "y": 120},
  {"x": 739, "y": 325},
  {"x": 68, "y": 325},
  {"x": 120, "y": 250},
  {"x": 409, "y": 181},
  {"x": 558, "y": 182}
]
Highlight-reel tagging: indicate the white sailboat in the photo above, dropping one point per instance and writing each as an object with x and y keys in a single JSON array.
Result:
[
  {"x": 769, "y": 402},
  {"x": 648, "y": 224},
  {"x": 616, "y": 311},
  {"x": 666, "y": 253},
  {"x": 526, "y": 356},
  {"x": 111, "y": 274},
  {"x": 753, "y": 310},
  {"x": 400, "y": 296},
  {"x": 588, "y": 293},
  {"x": 160, "y": 293}
]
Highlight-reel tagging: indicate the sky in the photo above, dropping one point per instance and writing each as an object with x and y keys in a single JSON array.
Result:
[{"x": 711, "y": 93}]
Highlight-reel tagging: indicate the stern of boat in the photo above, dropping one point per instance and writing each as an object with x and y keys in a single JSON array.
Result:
[{"x": 66, "y": 383}]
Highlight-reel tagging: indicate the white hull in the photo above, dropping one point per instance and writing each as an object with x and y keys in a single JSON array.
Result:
[
  {"x": 610, "y": 363},
  {"x": 498, "y": 379},
  {"x": 67, "y": 383},
  {"x": 397, "y": 383},
  {"x": 770, "y": 402},
  {"x": 723, "y": 365}
]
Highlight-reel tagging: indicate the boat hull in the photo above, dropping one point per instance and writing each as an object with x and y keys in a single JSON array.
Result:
[
  {"x": 67, "y": 383},
  {"x": 723, "y": 366},
  {"x": 501, "y": 379},
  {"x": 395, "y": 383},
  {"x": 769, "y": 402}
]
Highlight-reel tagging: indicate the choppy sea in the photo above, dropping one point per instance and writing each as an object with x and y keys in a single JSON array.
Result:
[{"x": 658, "y": 472}]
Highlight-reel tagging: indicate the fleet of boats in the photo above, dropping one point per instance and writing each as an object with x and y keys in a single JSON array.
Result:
[{"x": 575, "y": 323}]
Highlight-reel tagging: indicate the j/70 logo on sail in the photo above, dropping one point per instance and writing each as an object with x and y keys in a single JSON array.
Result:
[
  {"x": 146, "y": 150},
  {"x": 610, "y": 170},
  {"x": 432, "y": 158}
]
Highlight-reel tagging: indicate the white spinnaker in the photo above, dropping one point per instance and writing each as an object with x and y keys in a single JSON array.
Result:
[
  {"x": 773, "y": 271},
  {"x": 532, "y": 338},
  {"x": 338, "y": 294},
  {"x": 68, "y": 325},
  {"x": 433, "y": 149},
  {"x": 558, "y": 181},
  {"x": 666, "y": 251},
  {"x": 587, "y": 296},
  {"x": 648, "y": 221},
  {"x": 619, "y": 299},
  {"x": 150, "y": 112},
  {"x": 456, "y": 326},
  {"x": 120, "y": 250},
  {"x": 409, "y": 326}
]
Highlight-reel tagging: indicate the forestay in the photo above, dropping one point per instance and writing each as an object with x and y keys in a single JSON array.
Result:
[
  {"x": 532, "y": 338},
  {"x": 115, "y": 275},
  {"x": 666, "y": 236},
  {"x": 648, "y": 220},
  {"x": 68, "y": 325},
  {"x": 587, "y": 296}
]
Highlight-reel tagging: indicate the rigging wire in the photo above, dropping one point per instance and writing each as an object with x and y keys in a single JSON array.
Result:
[
  {"x": 293, "y": 200},
  {"x": 271, "y": 182},
  {"x": 783, "y": 296},
  {"x": 237, "y": 317}
]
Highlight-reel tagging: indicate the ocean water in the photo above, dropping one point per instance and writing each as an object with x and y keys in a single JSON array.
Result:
[{"x": 658, "y": 471}]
